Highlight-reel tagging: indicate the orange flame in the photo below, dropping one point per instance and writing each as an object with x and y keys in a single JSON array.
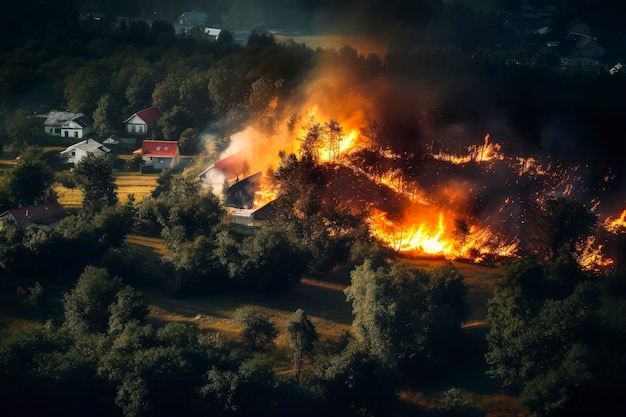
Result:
[
  {"x": 476, "y": 153},
  {"x": 591, "y": 257},
  {"x": 617, "y": 224}
]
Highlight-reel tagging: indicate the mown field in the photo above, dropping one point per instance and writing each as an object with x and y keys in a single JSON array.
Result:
[{"x": 140, "y": 185}]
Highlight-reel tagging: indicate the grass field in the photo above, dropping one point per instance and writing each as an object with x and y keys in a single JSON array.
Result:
[{"x": 141, "y": 185}]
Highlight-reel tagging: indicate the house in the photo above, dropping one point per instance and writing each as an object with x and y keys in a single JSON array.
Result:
[
  {"x": 56, "y": 119},
  {"x": 159, "y": 154},
  {"x": 584, "y": 49},
  {"x": 230, "y": 168},
  {"x": 77, "y": 128},
  {"x": 241, "y": 193},
  {"x": 255, "y": 216},
  {"x": 195, "y": 18},
  {"x": 212, "y": 33},
  {"x": 73, "y": 154},
  {"x": 142, "y": 122},
  {"x": 49, "y": 213}
]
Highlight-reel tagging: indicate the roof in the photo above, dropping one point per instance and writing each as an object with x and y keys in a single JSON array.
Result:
[
  {"x": 148, "y": 115},
  {"x": 87, "y": 145},
  {"x": 82, "y": 121},
  {"x": 43, "y": 213},
  {"x": 241, "y": 193},
  {"x": 158, "y": 148},
  {"x": 57, "y": 118},
  {"x": 231, "y": 165}
]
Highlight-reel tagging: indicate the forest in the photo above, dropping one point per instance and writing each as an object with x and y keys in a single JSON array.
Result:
[{"x": 355, "y": 150}]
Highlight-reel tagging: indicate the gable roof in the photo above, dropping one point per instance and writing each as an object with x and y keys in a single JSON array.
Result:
[
  {"x": 87, "y": 145},
  {"x": 43, "y": 213},
  {"x": 148, "y": 115},
  {"x": 58, "y": 118},
  {"x": 232, "y": 165},
  {"x": 241, "y": 193},
  {"x": 167, "y": 148},
  {"x": 83, "y": 121}
]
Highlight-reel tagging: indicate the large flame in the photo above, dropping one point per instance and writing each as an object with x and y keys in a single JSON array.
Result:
[{"x": 441, "y": 214}]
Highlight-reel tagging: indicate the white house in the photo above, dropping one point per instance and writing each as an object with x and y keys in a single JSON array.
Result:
[
  {"x": 77, "y": 128},
  {"x": 159, "y": 154},
  {"x": 142, "y": 122},
  {"x": 56, "y": 119},
  {"x": 73, "y": 154}
]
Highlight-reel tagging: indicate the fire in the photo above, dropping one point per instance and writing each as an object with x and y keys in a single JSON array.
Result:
[
  {"x": 417, "y": 237},
  {"x": 475, "y": 153},
  {"x": 615, "y": 225},
  {"x": 591, "y": 257}
]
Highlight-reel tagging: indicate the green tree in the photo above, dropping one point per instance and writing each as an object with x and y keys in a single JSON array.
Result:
[
  {"x": 30, "y": 179},
  {"x": 302, "y": 336},
  {"x": 105, "y": 116},
  {"x": 19, "y": 130},
  {"x": 85, "y": 86},
  {"x": 86, "y": 306},
  {"x": 189, "y": 141},
  {"x": 128, "y": 306},
  {"x": 561, "y": 224},
  {"x": 93, "y": 176},
  {"x": 357, "y": 383},
  {"x": 257, "y": 329},
  {"x": 173, "y": 122},
  {"x": 550, "y": 341},
  {"x": 405, "y": 316},
  {"x": 270, "y": 261}
]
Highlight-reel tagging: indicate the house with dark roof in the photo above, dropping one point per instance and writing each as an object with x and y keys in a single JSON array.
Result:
[
  {"x": 143, "y": 122},
  {"x": 77, "y": 128},
  {"x": 67, "y": 124},
  {"x": 159, "y": 154},
  {"x": 49, "y": 213},
  {"x": 241, "y": 192}
]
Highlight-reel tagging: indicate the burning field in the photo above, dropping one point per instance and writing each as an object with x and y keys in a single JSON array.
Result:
[{"x": 455, "y": 190}]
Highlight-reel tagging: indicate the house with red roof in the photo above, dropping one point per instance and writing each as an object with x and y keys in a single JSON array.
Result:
[
  {"x": 143, "y": 122},
  {"x": 49, "y": 213},
  {"x": 159, "y": 154}
]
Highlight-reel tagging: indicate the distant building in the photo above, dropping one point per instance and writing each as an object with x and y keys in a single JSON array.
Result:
[
  {"x": 143, "y": 122},
  {"x": 159, "y": 154},
  {"x": 67, "y": 124},
  {"x": 73, "y": 154},
  {"x": 195, "y": 18},
  {"x": 46, "y": 214}
]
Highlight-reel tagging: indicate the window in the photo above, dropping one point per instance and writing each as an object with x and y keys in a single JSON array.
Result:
[
  {"x": 158, "y": 148},
  {"x": 76, "y": 133},
  {"x": 139, "y": 129},
  {"x": 165, "y": 149}
]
